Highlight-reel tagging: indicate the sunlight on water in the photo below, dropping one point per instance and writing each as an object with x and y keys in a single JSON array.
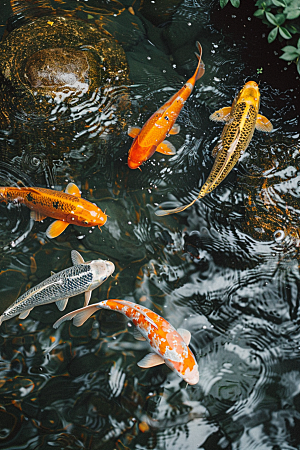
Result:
[{"x": 226, "y": 269}]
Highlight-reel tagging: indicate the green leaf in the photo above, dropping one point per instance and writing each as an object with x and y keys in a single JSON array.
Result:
[
  {"x": 223, "y": 3},
  {"x": 285, "y": 33},
  {"x": 271, "y": 18},
  {"x": 289, "y": 56},
  {"x": 259, "y": 13},
  {"x": 279, "y": 3},
  {"x": 235, "y": 3},
  {"x": 298, "y": 66},
  {"x": 272, "y": 35},
  {"x": 293, "y": 14},
  {"x": 290, "y": 49},
  {"x": 298, "y": 45},
  {"x": 280, "y": 18}
]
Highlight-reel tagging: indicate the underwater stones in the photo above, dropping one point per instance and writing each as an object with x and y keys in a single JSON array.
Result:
[{"x": 51, "y": 67}]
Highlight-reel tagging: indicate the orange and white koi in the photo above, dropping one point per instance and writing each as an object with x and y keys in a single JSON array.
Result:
[
  {"x": 152, "y": 136},
  {"x": 241, "y": 120},
  {"x": 67, "y": 207},
  {"x": 168, "y": 345}
]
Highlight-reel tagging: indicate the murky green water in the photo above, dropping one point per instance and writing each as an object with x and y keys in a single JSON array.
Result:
[{"x": 227, "y": 269}]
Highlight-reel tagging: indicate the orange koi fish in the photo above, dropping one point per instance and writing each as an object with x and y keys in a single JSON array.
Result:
[
  {"x": 168, "y": 345},
  {"x": 67, "y": 207},
  {"x": 241, "y": 120},
  {"x": 152, "y": 136}
]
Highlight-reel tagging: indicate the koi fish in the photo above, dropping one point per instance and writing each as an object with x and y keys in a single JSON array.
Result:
[
  {"x": 168, "y": 345},
  {"x": 81, "y": 277},
  {"x": 241, "y": 119},
  {"x": 67, "y": 207},
  {"x": 152, "y": 136}
]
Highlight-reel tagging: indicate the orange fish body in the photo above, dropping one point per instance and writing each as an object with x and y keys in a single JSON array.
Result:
[
  {"x": 67, "y": 207},
  {"x": 168, "y": 345},
  {"x": 152, "y": 136}
]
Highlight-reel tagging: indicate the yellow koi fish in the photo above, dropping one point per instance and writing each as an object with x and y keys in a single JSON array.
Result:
[{"x": 241, "y": 119}]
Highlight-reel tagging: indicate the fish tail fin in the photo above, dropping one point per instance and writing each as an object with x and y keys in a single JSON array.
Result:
[
  {"x": 79, "y": 316},
  {"x": 200, "y": 70},
  {"x": 166, "y": 212}
]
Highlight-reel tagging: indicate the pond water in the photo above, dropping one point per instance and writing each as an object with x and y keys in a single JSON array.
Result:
[{"x": 226, "y": 269}]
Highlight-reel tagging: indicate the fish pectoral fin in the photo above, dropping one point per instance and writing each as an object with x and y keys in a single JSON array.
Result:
[
  {"x": 222, "y": 115},
  {"x": 37, "y": 216},
  {"x": 138, "y": 335},
  {"x": 73, "y": 189},
  {"x": 79, "y": 316},
  {"x": 76, "y": 258},
  {"x": 166, "y": 148},
  {"x": 185, "y": 334},
  {"x": 263, "y": 124},
  {"x": 175, "y": 129},
  {"x": 151, "y": 360},
  {"x": 56, "y": 228},
  {"x": 87, "y": 297},
  {"x": 133, "y": 131},
  {"x": 61, "y": 304},
  {"x": 24, "y": 314}
]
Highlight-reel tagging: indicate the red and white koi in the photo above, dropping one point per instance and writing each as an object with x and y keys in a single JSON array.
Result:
[{"x": 168, "y": 345}]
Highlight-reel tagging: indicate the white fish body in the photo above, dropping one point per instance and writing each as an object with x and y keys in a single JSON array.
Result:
[{"x": 82, "y": 277}]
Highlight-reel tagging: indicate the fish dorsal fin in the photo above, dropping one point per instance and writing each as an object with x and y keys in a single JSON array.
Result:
[
  {"x": 76, "y": 258},
  {"x": 24, "y": 314},
  {"x": 87, "y": 297},
  {"x": 151, "y": 360},
  {"x": 72, "y": 189},
  {"x": 185, "y": 334},
  {"x": 138, "y": 335},
  {"x": 61, "y": 304},
  {"x": 263, "y": 124},
  {"x": 222, "y": 115},
  {"x": 216, "y": 149},
  {"x": 37, "y": 216},
  {"x": 138, "y": 310},
  {"x": 175, "y": 129},
  {"x": 133, "y": 131},
  {"x": 166, "y": 148}
]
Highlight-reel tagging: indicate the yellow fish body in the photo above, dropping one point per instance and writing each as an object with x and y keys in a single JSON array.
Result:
[{"x": 241, "y": 120}]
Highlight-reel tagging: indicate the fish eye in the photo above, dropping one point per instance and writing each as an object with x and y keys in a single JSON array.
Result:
[
  {"x": 104, "y": 278},
  {"x": 85, "y": 222}
]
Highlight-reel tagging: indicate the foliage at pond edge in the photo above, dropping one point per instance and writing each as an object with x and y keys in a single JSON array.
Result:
[{"x": 283, "y": 16}]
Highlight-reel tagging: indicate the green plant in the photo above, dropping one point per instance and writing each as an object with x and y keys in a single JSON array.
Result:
[
  {"x": 292, "y": 53},
  {"x": 283, "y": 16},
  {"x": 235, "y": 3}
]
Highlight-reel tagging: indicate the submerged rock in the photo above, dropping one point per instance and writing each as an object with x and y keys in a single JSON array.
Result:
[{"x": 61, "y": 69}]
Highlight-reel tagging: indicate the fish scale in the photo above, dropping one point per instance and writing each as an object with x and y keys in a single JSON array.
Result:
[
  {"x": 67, "y": 283},
  {"x": 79, "y": 278}
]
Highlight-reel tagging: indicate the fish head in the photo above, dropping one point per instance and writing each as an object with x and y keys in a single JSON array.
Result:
[
  {"x": 95, "y": 217},
  {"x": 101, "y": 270},
  {"x": 250, "y": 94},
  {"x": 133, "y": 164}
]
